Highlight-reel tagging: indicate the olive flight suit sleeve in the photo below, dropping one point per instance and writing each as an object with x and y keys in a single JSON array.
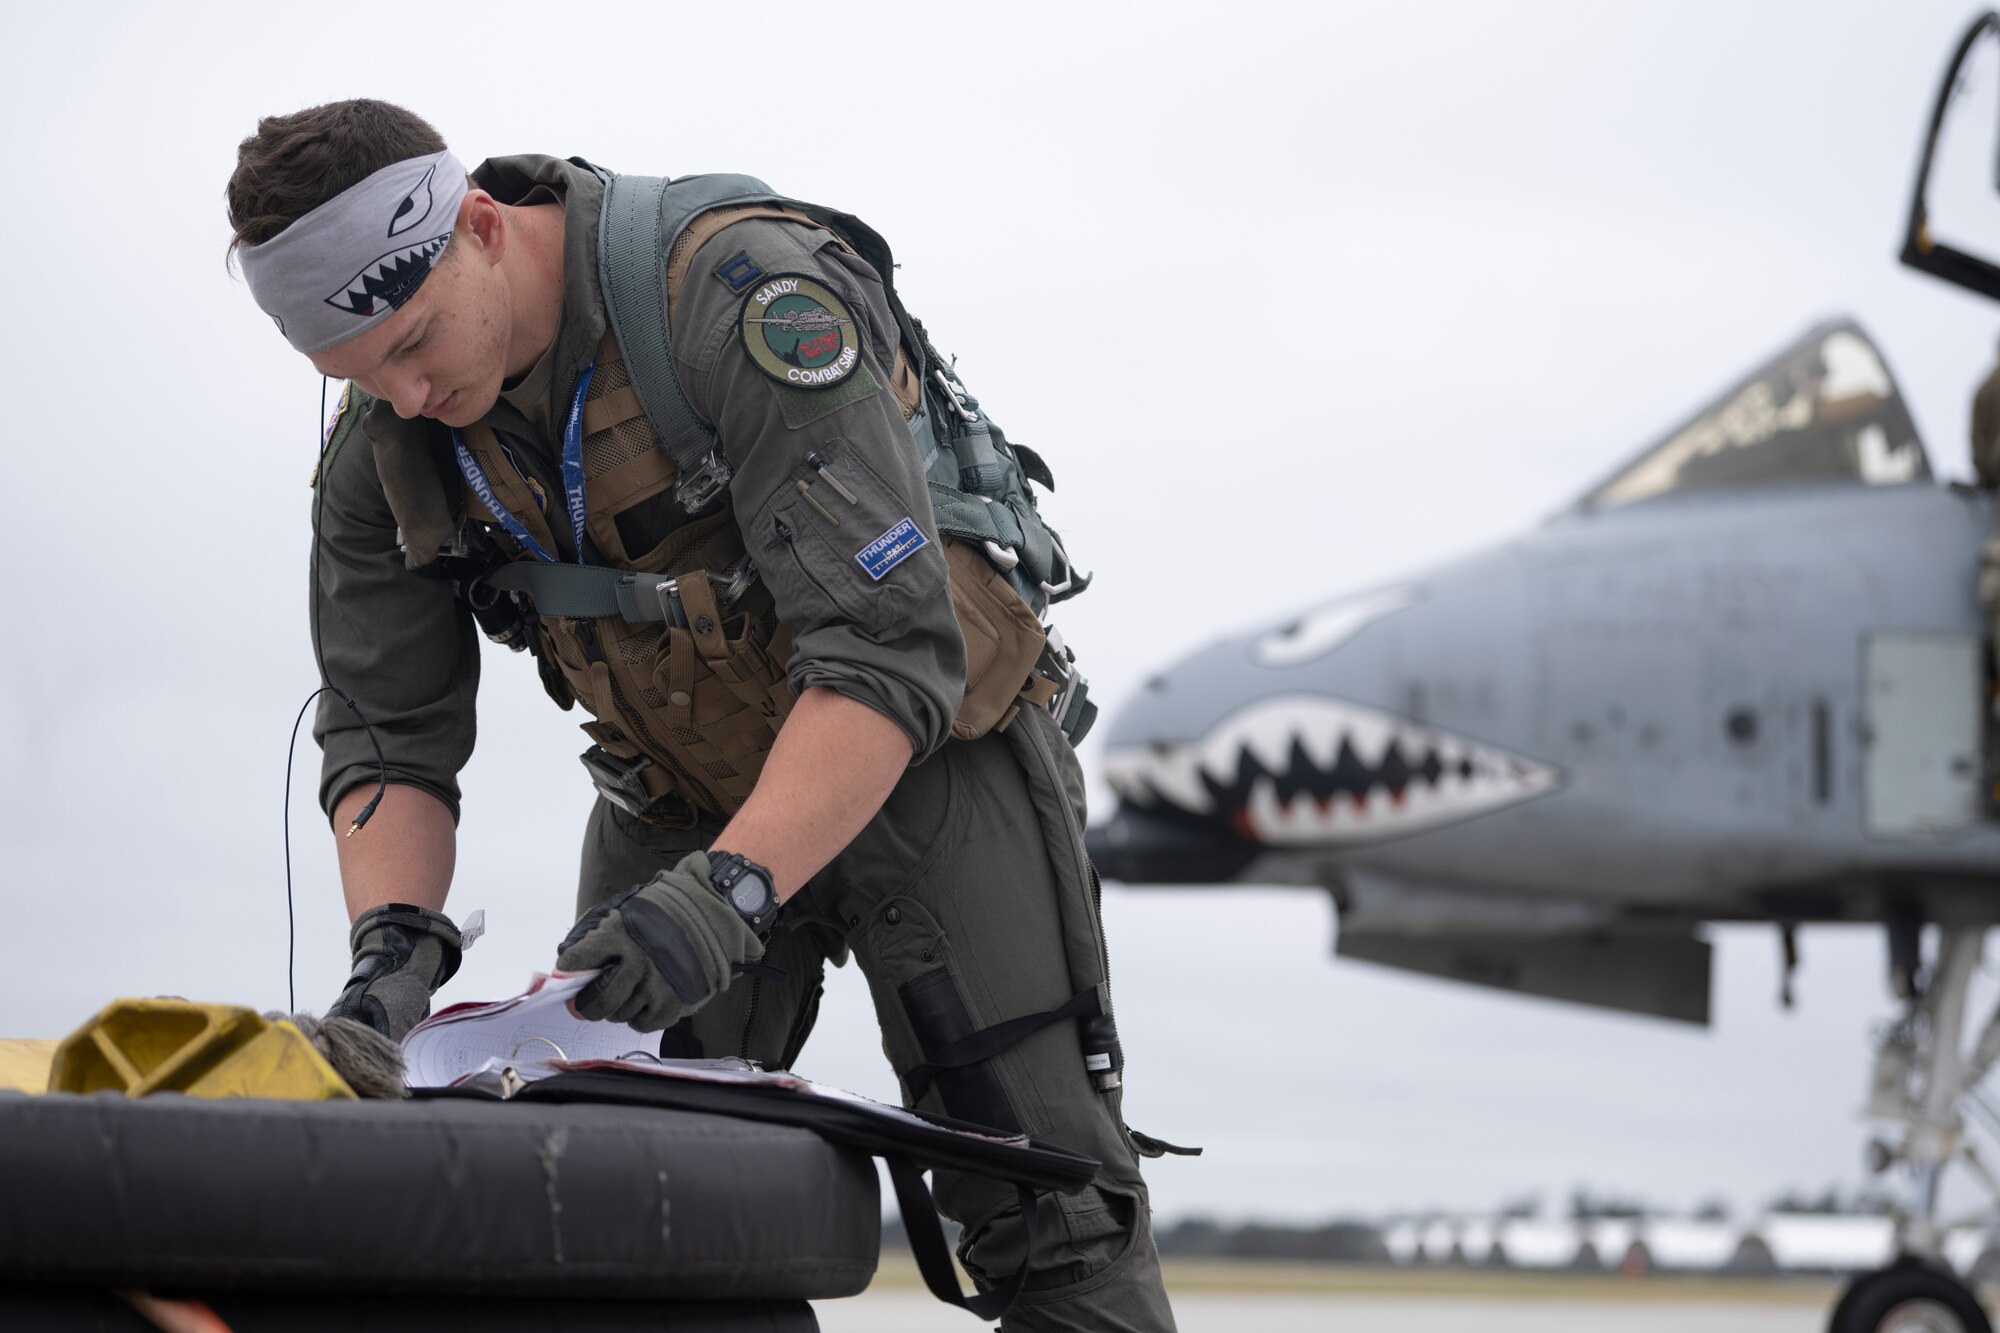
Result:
[
  {"x": 827, "y": 487},
  {"x": 395, "y": 640}
]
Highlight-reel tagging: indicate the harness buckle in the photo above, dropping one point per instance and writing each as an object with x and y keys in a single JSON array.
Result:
[
  {"x": 1068, "y": 568},
  {"x": 617, "y": 780},
  {"x": 704, "y": 486},
  {"x": 658, "y": 597},
  {"x": 1067, "y": 706},
  {"x": 957, "y": 395},
  {"x": 735, "y": 582},
  {"x": 1003, "y": 559}
]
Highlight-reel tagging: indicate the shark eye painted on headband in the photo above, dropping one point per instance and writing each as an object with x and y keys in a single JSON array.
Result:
[{"x": 416, "y": 206}]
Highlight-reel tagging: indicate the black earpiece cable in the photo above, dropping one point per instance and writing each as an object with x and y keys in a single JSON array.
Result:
[{"x": 326, "y": 686}]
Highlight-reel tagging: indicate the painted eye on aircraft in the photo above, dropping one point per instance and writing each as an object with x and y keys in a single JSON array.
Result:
[{"x": 1317, "y": 633}]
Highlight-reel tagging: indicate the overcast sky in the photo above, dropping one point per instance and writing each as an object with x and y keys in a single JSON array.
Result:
[{"x": 1293, "y": 298}]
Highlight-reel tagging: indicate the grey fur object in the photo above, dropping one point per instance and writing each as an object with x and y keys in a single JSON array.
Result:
[{"x": 369, "y": 1061}]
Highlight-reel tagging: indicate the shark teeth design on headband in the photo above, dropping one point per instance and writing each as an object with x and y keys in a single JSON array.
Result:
[
  {"x": 407, "y": 215},
  {"x": 391, "y": 279}
]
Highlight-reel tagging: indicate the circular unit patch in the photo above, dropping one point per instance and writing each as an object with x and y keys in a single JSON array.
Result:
[{"x": 799, "y": 333}]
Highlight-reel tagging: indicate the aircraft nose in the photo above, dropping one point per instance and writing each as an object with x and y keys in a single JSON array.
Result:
[{"x": 1303, "y": 735}]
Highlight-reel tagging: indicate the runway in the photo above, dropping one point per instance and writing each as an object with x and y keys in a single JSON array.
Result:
[
  {"x": 1279, "y": 1298},
  {"x": 916, "y": 1312}
]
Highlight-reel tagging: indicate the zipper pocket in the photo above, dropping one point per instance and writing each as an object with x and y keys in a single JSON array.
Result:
[
  {"x": 750, "y": 1019},
  {"x": 805, "y": 570}
]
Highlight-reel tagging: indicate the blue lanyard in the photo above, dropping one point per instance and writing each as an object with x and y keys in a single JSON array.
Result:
[{"x": 572, "y": 468}]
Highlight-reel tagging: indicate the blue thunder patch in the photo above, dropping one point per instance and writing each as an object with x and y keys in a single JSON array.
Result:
[{"x": 892, "y": 548}]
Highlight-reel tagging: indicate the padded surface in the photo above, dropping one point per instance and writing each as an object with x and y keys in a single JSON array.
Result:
[{"x": 448, "y": 1196}]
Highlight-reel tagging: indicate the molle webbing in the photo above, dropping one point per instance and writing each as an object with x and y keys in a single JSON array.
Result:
[
  {"x": 680, "y": 658},
  {"x": 684, "y": 677}
]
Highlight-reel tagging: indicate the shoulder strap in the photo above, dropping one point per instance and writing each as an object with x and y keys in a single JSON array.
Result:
[{"x": 642, "y": 216}]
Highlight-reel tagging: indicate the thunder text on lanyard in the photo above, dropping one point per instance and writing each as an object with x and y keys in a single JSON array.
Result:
[{"x": 572, "y": 468}]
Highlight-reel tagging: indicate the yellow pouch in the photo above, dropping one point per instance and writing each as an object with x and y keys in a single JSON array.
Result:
[
  {"x": 24, "y": 1064},
  {"x": 204, "y": 1050}
]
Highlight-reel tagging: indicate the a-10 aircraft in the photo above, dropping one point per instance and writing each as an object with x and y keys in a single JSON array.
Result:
[
  {"x": 1746, "y": 677},
  {"x": 1742, "y": 679}
]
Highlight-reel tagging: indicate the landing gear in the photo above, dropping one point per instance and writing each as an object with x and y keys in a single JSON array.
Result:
[
  {"x": 1909, "y": 1298},
  {"x": 1924, "y": 1082},
  {"x": 1989, "y": 750}
]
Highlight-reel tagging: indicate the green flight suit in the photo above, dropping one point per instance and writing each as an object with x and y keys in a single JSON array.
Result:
[{"x": 967, "y": 900}]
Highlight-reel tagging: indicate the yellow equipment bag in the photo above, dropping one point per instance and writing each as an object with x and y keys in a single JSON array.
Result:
[
  {"x": 205, "y": 1050},
  {"x": 24, "y": 1064}
]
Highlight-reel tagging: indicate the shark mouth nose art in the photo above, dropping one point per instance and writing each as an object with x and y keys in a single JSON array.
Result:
[{"x": 1301, "y": 770}]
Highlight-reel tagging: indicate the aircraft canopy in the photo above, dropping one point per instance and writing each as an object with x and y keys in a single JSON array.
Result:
[{"x": 1824, "y": 409}]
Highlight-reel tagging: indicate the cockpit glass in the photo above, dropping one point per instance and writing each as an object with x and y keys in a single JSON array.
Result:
[{"x": 1825, "y": 409}]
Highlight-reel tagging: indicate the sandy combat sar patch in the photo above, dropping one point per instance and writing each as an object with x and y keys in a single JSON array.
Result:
[{"x": 799, "y": 333}]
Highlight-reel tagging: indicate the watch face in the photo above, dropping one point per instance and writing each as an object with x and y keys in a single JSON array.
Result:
[{"x": 751, "y": 894}]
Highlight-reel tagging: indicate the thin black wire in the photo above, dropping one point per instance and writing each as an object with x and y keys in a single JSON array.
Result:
[
  {"x": 291, "y": 923},
  {"x": 326, "y": 686}
]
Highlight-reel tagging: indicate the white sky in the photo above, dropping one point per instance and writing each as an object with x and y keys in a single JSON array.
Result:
[{"x": 1294, "y": 298}]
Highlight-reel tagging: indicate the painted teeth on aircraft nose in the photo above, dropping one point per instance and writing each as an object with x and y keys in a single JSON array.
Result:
[
  {"x": 1304, "y": 769},
  {"x": 1321, "y": 746},
  {"x": 1271, "y": 746},
  {"x": 1266, "y": 815}
]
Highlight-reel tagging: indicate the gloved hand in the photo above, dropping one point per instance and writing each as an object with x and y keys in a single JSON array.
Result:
[
  {"x": 401, "y": 955},
  {"x": 667, "y": 948}
]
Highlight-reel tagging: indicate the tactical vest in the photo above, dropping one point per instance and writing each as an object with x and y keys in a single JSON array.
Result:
[{"x": 676, "y": 650}]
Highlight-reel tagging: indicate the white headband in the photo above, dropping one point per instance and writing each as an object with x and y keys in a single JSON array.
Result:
[{"x": 352, "y": 262}]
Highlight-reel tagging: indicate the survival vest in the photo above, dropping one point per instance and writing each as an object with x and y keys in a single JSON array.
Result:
[{"x": 676, "y": 649}]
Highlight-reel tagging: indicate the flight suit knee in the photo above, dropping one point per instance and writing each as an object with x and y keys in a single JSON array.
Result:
[
  {"x": 1095, "y": 1265},
  {"x": 980, "y": 957}
]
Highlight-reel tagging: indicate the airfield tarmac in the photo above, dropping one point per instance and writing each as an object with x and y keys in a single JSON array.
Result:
[{"x": 1219, "y": 1297}]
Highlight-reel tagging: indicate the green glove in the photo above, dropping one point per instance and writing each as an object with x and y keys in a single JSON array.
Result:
[
  {"x": 401, "y": 955},
  {"x": 667, "y": 948}
]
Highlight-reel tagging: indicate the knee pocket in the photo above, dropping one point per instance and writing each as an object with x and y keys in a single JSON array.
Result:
[{"x": 1082, "y": 1241}]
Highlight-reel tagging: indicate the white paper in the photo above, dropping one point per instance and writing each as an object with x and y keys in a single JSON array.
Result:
[{"x": 526, "y": 1030}]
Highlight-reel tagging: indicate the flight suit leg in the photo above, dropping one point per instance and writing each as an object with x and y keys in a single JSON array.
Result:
[
  {"x": 967, "y": 902},
  {"x": 1989, "y": 599},
  {"x": 760, "y": 1018}
]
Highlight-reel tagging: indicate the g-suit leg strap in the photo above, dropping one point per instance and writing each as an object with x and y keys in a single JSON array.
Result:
[
  {"x": 991, "y": 1041},
  {"x": 920, "y": 1224}
]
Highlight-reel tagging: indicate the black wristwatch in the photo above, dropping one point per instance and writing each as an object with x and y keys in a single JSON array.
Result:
[{"x": 745, "y": 886}]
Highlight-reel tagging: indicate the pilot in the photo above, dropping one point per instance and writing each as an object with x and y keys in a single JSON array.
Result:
[
  {"x": 1986, "y": 464},
  {"x": 795, "y": 761}
]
